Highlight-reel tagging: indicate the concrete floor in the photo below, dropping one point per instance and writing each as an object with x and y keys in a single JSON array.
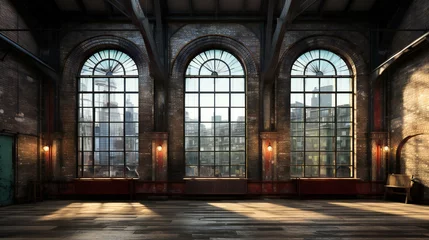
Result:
[{"x": 217, "y": 220}]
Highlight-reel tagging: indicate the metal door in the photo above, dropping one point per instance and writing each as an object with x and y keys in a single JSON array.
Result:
[{"x": 6, "y": 171}]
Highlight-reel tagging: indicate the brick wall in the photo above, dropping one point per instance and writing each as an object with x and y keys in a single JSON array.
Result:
[
  {"x": 19, "y": 78},
  {"x": 409, "y": 97}
]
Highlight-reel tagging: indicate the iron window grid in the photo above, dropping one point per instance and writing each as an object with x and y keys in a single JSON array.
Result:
[
  {"x": 335, "y": 122},
  {"x": 214, "y": 136},
  {"x": 81, "y": 151}
]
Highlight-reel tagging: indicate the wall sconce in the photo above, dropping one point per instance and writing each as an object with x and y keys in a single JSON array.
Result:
[
  {"x": 269, "y": 148},
  {"x": 46, "y": 148},
  {"x": 159, "y": 148},
  {"x": 386, "y": 148}
]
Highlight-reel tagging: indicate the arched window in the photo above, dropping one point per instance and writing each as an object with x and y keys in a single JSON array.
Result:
[
  {"x": 215, "y": 116},
  {"x": 321, "y": 116},
  {"x": 108, "y": 97}
]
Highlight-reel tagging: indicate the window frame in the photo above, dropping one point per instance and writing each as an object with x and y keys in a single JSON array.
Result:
[
  {"x": 132, "y": 122},
  {"x": 242, "y": 168},
  {"x": 304, "y": 121}
]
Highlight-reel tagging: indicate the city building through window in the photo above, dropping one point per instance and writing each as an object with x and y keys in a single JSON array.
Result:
[
  {"x": 108, "y": 116},
  {"x": 215, "y": 116},
  {"x": 321, "y": 115}
]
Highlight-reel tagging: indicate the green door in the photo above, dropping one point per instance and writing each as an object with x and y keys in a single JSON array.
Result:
[{"x": 6, "y": 171}]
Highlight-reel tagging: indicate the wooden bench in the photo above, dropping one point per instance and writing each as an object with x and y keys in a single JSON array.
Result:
[{"x": 398, "y": 181}]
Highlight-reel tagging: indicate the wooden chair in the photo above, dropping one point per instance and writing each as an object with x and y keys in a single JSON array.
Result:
[{"x": 398, "y": 181}]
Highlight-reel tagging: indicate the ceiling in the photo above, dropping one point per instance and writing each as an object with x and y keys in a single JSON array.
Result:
[{"x": 211, "y": 7}]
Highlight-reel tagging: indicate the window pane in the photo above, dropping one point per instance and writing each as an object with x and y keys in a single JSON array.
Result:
[
  {"x": 237, "y": 114},
  {"x": 297, "y": 143},
  {"x": 238, "y": 129},
  {"x": 206, "y": 129},
  {"x": 296, "y": 100},
  {"x": 238, "y": 158},
  {"x": 344, "y": 114},
  {"x": 117, "y": 171},
  {"x": 191, "y": 115},
  {"x": 207, "y": 100},
  {"x": 191, "y": 158},
  {"x": 327, "y": 158},
  {"x": 206, "y": 84},
  {"x": 117, "y": 158},
  {"x": 221, "y": 115},
  {"x": 344, "y": 84},
  {"x": 131, "y": 115},
  {"x": 131, "y": 129},
  {"x": 237, "y": 84},
  {"x": 191, "y": 129},
  {"x": 327, "y": 129},
  {"x": 327, "y": 114},
  {"x": 297, "y": 129},
  {"x": 328, "y": 171},
  {"x": 131, "y": 144},
  {"x": 344, "y": 171},
  {"x": 297, "y": 158},
  {"x": 311, "y": 84},
  {"x": 344, "y": 143},
  {"x": 222, "y": 171},
  {"x": 207, "y": 114},
  {"x": 101, "y": 171},
  {"x": 312, "y": 144},
  {"x": 222, "y": 129},
  {"x": 327, "y": 100},
  {"x": 192, "y": 171},
  {"x": 85, "y": 84},
  {"x": 312, "y": 129},
  {"x": 311, "y": 171},
  {"x": 117, "y": 144},
  {"x": 297, "y": 114},
  {"x": 116, "y": 129},
  {"x": 207, "y": 171},
  {"x": 88, "y": 171},
  {"x": 222, "y": 100},
  {"x": 191, "y": 143},
  {"x": 312, "y": 158},
  {"x": 116, "y": 84},
  {"x": 207, "y": 144},
  {"x": 116, "y": 100},
  {"x": 297, "y": 84},
  {"x": 238, "y": 171},
  {"x": 207, "y": 158},
  {"x": 85, "y": 115},
  {"x": 327, "y": 143},
  {"x": 101, "y": 144},
  {"x": 85, "y": 100},
  {"x": 132, "y": 158},
  {"x": 87, "y": 143},
  {"x": 344, "y": 130},
  {"x": 132, "y": 100},
  {"x": 312, "y": 115},
  {"x": 238, "y": 100},
  {"x": 191, "y": 84},
  {"x": 296, "y": 171},
  {"x": 222, "y": 84},
  {"x": 344, "y": 100},
  {"x": 132, "y": 84},
  {"x": 327, "y": 84},
  {"x": 85, "y": 129},
  {"x": 222, "y": 158},
  {"x": 238, "y": 143},
  {"x": 117, "y": 115},
  {"x": 222, "y": 143},
  {"x": 344, "y": 158},
  {"x": 87, "y": 158},
  {"x": 312, "y": 99}
]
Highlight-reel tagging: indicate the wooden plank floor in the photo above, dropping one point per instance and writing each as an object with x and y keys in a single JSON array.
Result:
[{"x": 216, "y": 220}]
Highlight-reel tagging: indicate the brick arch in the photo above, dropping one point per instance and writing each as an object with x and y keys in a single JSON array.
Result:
[
  {"x": 192, "y": 49},
  {"x": 68, "y": 103},
  {"x": 354, "y": 57},
  {"x": 176, "y": 101},
  {"x": 348, "y": 51}
]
